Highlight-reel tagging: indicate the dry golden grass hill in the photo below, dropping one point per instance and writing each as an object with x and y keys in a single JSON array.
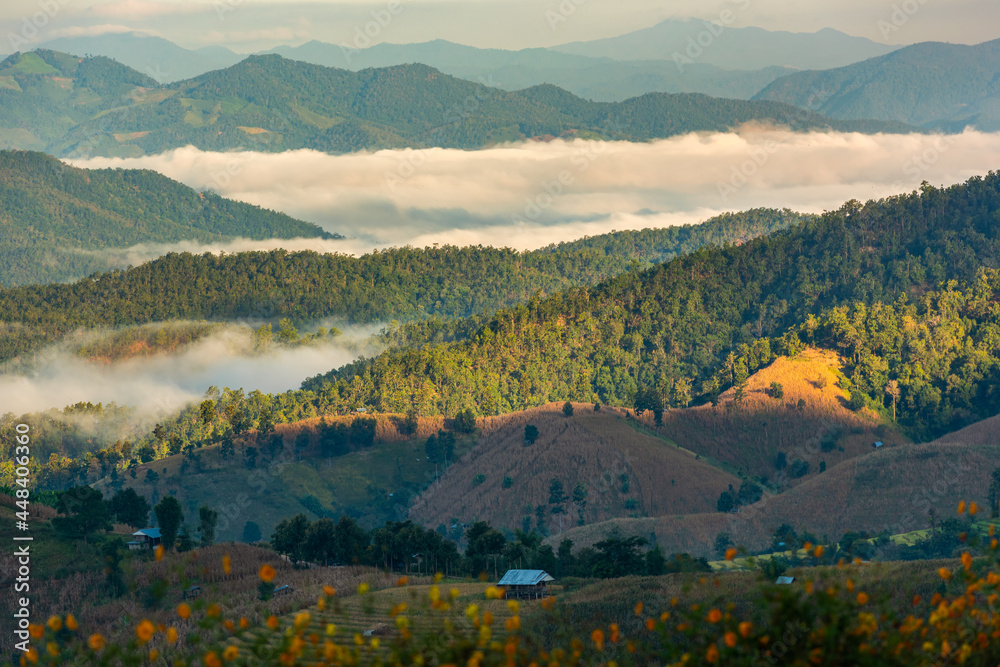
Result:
[
  {"x": 747, "y": 435},
  {"x": 625, "y": 471},
  {"x": 678, "y": 467},
  {"x": 893, "y": 488}
]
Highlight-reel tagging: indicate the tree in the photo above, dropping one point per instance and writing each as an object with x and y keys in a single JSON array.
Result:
[
  {"x": 207, "y": 520},
  {"x": 682, "y": 395},
  {"x": 723, "y": 541},
  {"x": 993, "y": 494},
  {"x": 777, "y": 391},
  {"x": 530, "y": 433},
  {"x": 557, "y": 493},
  {"x": 892, "y": 389},
  {"x": 564, "y": 556},
  {"x": 656, "y": 564},
  {"x": 320, "y": 542},
  {"x": 580, "y": 499},
  {"x": 465, "y": 421},
  {"x": 251, "y": 532},
  {"x": 351, "y": 542},
  {"x": 84, "y": 511},
  {"x": 567, "y": 409},
  {"x": 289, "y": 537},
  {"x": 410, "y": 423},
  {"x": 169, "y": 516},
  {"x": 726, "y": 502},
  {"x": 184, "y": 539},
  {"x": 250, "y": 458},
  {"x": 130, "y": 508}
]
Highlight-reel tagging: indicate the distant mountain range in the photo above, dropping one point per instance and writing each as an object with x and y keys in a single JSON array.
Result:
[
  {"x": 732, "y": 48},
  {"x": 604, "y": 71},
  {"x": 55, "y": 220},
  {"x": 598, "y": 79},
  {"x": 94, "y": 106},
  {"x": 934, "y": 85}
]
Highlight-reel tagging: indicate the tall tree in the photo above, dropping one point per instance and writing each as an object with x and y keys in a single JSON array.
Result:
[
  {"x": 130, "y": 508},
  {"x": 84, "y": 511},
  {"x": 169, "y": 516},
  {"x": 207, "y": 520}
]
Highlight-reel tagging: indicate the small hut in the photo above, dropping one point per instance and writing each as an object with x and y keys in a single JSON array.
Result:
[
  {"x": 525, "y": 583},
  {"x": 146, "y": 538}
]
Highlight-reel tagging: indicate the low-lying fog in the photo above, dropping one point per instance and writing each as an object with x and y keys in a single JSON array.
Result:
[
  {"x": 528, "y": 195},
  {"x": 161, "y": 384},
  {"x": 522, "y": 195}
]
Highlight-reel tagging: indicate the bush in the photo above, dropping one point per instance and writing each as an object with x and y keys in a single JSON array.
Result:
[
  {"x": 568, "y": 409},
  {"x": 465, "y": 421},
  {"x": 478, "y": 479},
  {"x": 777, "y": 391}
]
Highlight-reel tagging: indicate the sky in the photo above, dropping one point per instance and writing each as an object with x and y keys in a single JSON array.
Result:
[{"x": 250, "y": 25}]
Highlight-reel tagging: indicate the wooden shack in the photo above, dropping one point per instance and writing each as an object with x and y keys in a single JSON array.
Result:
[{"x": 529, "y": 584}]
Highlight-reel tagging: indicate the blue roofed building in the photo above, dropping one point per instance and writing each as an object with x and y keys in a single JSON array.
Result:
[
  {"x": 146, "y": 538},
  {"x": 525, "y": 583}
]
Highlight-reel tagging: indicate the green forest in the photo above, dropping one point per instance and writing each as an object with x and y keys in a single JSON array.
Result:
[
  {"x": 396, "y": 284},
  {"x": 97, "y": 107},
  {"x": 55, "y": 219},
  {"x": 905, "y": 288}
]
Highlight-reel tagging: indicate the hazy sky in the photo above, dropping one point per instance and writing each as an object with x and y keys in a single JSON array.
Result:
[{"x": 248, "y": 25}]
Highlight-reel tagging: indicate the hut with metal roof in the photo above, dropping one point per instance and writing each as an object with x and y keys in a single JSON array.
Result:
[
  {"x": 525, "y": 583},
  {"x": 146, "y": 538}
]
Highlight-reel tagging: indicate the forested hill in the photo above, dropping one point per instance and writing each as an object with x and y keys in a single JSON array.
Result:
[
  {"x": 946, "y": 86},
  {"x": 686, "y": 327},
  {"x": 401, "y": 283},
  {"x": 270, "y": 103},
  {"x": 53, "y": 217},
  {"x": 662, "y": 245}
]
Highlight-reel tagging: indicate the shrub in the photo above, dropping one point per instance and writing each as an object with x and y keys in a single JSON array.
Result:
[{"x": 478, "y": 479}]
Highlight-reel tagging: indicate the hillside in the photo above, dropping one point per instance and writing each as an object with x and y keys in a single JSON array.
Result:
[
  {"x": 54, "y": 219},
  {"x": 624, "y": 472},
  {"x": 892, "y": 489},
  {"x": 733, "y": 48},
  {"x": 945, "y": 86},
  {"x": 159, "y": 58},
  {"x": 45, "y": 94},
  {"x": 401, "y": 283},
  {"x": 293, "y": 472},
  {"x": 270, "y": 103},
  {"x": 747, "y": 435},
  {"x": 699, "y": 450},
  {"x": 858, "y": 279},
  {"x": 597, "y": 79}
]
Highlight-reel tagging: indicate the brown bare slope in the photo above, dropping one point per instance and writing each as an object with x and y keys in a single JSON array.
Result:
[
  {"x": 890, "y": 489},
  {"x": 591, "y": 448},
  {"x": 748, "y": 434}
]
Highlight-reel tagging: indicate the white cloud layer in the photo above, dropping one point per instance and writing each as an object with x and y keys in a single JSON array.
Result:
[
  {"x": 529, "y": 195},
  {"x": 161, "y": 384}
]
